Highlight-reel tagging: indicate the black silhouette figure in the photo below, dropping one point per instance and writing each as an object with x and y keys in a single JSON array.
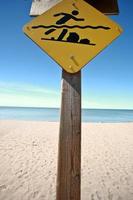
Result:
[
  {"x": 50, "y": 31},
  {"x": 66, "y": 17},
  {"x": 86, "y": 41},
  {"x": 73, "y": 36},
  {"x": 62, "y": 35}
]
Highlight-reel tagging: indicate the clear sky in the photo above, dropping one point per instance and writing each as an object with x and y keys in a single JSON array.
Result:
[{"x": 29, "y": 77}]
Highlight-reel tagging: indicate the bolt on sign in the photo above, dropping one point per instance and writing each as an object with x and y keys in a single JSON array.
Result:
[{"x": 72, "y": 33}]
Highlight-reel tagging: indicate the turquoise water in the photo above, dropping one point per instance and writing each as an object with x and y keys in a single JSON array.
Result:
[{"x": 53, "y": 114}]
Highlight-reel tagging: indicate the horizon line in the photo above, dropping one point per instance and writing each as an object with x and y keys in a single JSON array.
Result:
[{"x": 60, "y": 108}]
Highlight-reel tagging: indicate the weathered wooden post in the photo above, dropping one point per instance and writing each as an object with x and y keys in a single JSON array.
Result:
[
  {"x": 69, "y": 153},
  {"x": 69, "y": 157}
]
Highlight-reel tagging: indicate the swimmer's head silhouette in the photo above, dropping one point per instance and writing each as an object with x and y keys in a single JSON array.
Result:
[{"x": 75, "y": 12}]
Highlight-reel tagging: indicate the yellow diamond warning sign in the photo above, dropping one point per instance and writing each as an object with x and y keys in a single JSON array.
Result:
[{"x": 72, "y": 33}]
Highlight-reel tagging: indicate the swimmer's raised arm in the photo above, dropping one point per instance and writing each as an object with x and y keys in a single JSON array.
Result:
[
  {"x": 58, "y": 14},
  {"x": 77, "y": 19}
]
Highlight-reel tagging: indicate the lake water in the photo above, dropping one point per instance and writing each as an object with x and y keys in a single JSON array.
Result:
[{"x": 53, "y": 114}]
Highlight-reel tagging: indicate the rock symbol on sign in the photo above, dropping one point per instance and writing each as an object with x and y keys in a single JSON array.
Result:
[{"x": 73, "y": 36}]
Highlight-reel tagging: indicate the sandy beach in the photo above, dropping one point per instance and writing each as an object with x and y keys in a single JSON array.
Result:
[{"x": 28, "y": 160}]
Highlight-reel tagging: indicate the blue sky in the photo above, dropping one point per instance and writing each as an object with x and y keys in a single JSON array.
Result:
[{"x": 29, "y": 77}]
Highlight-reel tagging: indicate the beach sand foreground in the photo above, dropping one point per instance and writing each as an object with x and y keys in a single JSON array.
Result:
[{"x": 28, "y": 160}]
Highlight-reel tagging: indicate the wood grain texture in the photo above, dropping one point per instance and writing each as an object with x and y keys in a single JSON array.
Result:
[
  {"x": 108, "y": 7},
  {"x": 69, "y": 156},
  {"x": 40, "y": 6}
]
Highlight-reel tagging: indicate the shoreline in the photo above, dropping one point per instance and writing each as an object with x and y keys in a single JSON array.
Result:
[
  {"x": 58, "y": 108},
  {"x": 53, "y": 115},
  {"x": 83, "y": 122}
]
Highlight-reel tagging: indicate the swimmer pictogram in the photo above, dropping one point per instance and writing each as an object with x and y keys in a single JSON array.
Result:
[
  {"x": 66, "y": 17},
  {"x": 71, "y": 37}
]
